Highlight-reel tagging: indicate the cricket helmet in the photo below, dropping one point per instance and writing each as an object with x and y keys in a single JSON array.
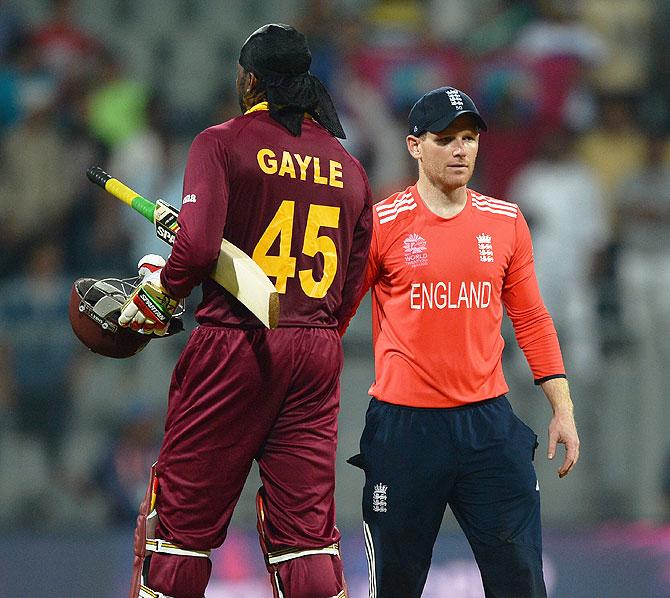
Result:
[{"x": 95, "y": 306}]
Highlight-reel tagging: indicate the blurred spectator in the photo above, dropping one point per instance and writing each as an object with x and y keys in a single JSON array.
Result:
[
  {"x": 394, "y": 22},
  {"x": 11, "y": 42},
  {"x": 615, "y": 148},
  {"x": 63, "y": 48},
  {"x": 406, "y": 60},
  {"x": 7, "y": 384},
  {"x": 454, "y": 22},
  {"x": 11, "y": 28},
  {"x": 36, "y": 332},
  {"x": 35, "y": 173},
  {"x": 10, "y": 111},
  {"x": 99, "y": 243},
  {"x": 643, "y": 203},
  {"x": 316, "y": 24},
  {"x": 562, "y": 52},
  {"x": 644, "y": 214},
  {"x": 644, "y": 269},
  {"x": 365, "y": 113},
  {"x": 624, "y": 26},
  {"x": 151, "y": 161},
  {"x": 117, "y": 107},
  {"x": 25, "y": 85},
  {"x": 332, "y": 60},
  {"x": 658, "y": 93},
  {"x": 563, "y": 201},
  {"x": 512, "y": 139},
  {"x": 121, "y": 474},
  {"x": 560, "y": 32},
  {"x": 379, "y": 78},
  {"x": 496, "y": 28}
]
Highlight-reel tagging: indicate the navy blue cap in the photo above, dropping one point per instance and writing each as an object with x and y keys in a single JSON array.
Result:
[{"x": 437, "y": 109}]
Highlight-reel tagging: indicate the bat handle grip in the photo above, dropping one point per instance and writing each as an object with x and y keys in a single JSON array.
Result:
[{"x": 98, "y": 176}]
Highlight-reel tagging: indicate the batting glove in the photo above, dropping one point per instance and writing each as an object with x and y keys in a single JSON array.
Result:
[{"x": 148, "y": 309}]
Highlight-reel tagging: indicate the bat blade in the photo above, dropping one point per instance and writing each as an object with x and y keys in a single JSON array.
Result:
[{"x": 235, "y": 271}]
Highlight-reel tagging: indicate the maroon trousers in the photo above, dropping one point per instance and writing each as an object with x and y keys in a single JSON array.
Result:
[{"x": 235, "y": 396}]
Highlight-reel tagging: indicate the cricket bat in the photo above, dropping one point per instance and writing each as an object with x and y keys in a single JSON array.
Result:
[{"x": 235, "y": 271}]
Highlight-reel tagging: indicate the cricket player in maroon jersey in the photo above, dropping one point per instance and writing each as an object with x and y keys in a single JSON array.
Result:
[{"x": 279, "y": 185}]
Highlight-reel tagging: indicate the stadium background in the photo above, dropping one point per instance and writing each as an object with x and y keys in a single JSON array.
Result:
[{"x": 576, "y": 94}]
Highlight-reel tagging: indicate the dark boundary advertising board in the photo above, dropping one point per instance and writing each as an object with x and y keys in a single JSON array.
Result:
[{"x": 615, "y": 560}]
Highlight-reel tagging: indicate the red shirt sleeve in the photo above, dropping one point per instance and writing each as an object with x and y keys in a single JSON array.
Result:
[
  {"x": 201, "y": 219},
  {"x": 533, "y": 326}
]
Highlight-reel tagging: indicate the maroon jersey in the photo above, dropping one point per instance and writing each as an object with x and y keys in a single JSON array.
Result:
[{"x": 300, "y": 206}]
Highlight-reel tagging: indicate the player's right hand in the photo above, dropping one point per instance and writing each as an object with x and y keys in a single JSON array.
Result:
[
  {"x": 149, "y": 308},
  {"x": 562, "y": 430}
]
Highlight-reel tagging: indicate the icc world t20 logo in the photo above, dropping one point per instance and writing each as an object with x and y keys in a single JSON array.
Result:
[{"x": 416, "y": 250}]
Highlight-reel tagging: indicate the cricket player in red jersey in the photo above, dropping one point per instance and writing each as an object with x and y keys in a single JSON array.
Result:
[
  {"x": 444, "y": 261},
  {"x": 279, "y": 185}
]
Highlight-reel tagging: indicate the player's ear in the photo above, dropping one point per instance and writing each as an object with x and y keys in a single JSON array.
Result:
[
  {"x": 251, "y": 83},
  {"x": 414, "y": 146}
]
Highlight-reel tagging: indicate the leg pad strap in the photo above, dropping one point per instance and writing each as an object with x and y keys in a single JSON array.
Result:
[
  {"x": 281, "y": 556},
  {"x": 165, "y": 547},
  {"x": 146, "y": 592}
]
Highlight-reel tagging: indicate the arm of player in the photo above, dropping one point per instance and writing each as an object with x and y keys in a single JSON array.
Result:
[
  {"x": 562, "y": 428},
  {"x": 201, "y": 218},
  {"x": 533, "y": 327},
  {"x": 355, "y": 285},
  {"x": 535, "y": 332}
]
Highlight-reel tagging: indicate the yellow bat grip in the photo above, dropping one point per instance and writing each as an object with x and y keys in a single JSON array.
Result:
[{"x": 120, "y": 191}]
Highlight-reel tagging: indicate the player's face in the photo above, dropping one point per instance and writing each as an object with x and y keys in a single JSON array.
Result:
[{"x": 447, "y": 159}]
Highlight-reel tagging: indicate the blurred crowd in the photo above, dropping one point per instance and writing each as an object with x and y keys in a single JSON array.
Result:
[{"x": 577, "y": 97}]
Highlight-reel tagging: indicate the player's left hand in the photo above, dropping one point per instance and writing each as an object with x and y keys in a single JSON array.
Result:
[
  {"x": 149, "y": 308},
  {"x": 562, "y": 430}
]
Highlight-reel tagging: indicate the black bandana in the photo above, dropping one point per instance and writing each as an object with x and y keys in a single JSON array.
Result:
[{"x": 278, "y": 55}]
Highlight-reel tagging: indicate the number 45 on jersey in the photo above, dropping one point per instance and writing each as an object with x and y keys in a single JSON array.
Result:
[{"x": 283, "y": 265}]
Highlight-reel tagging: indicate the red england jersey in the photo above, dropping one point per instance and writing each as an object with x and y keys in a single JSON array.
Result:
[
  {"x": 300, "y": 206},
  {"x": 438, "y": 290}
]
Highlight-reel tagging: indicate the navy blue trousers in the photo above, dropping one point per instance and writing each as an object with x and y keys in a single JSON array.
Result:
[{"x": 478, "y": 459}]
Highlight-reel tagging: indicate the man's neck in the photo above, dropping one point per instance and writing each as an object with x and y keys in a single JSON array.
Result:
[{"x": 443, "y": 203}]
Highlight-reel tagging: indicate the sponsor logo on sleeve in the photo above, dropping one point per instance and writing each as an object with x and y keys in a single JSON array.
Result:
[{"x": 190, "y": 198}]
